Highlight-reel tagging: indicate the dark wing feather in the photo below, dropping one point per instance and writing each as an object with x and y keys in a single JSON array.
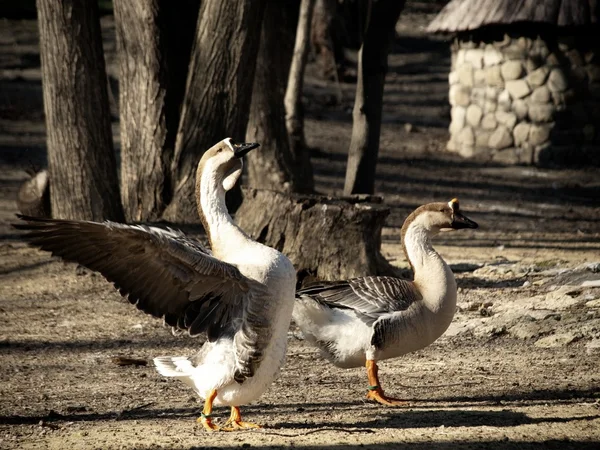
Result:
[
  {"x": 162, "y": 272},
  {"x": 370, "y": 297}
]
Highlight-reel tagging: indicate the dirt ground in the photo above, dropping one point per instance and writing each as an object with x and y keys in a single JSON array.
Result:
[{"x": 518, "y": 368}]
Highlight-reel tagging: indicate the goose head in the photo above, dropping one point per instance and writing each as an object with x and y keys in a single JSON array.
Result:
[
  {"x": 223, "y": 162},
  {"x": 436, "y": 217},
  {"x": 218, "y": 171}
]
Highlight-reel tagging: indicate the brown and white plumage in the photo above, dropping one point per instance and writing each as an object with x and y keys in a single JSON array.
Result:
[
  {"x": 240, "y": 296},
  {"x": 364, "y": 320}
]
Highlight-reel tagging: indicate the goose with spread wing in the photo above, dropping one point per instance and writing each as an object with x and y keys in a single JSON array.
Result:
[
  {"x": 364, "y": 320},
  {"x": 240, "y": 296}
]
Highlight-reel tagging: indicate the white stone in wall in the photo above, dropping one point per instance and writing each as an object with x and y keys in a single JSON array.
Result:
[
  {"x": 465, "y": 75},
  {"x": 491, "y": 93},
  {"x": 452, "y": 78},
  {"x": 457, "y": 114},
  {"x": 491, "y": 56},
  {"x": 460, "y": 57},
  {"x": 500, "y": 138},
  {"x": 475, "y": 57},
  {"x": 466, "y": 137},
  {"x": 518, "y": 88},
  {"x": 537, "y": 44},
  {"x": 525, "y": 154},
  {"x": 514, "y": 52},
  {"x": 459, "y": 95},
  {"x": 489, "y": 122},
  {"x": 557, "y": 81},
  {"x": 541, "y": 112},
  {"x": 553, "y": 60},
  {"x": 540, "y": 48},
  {"x": 558, "y": 98},
  {"x": 521, "y": 133},
  {"x": 508, "y": 119},
  {"x": 493, "y": 76},
  {"x": 479, "y": 77},
  {"x": 478, "y": 95},
  {"x": 538, "y": 134},
  {"x": 538, "y": 77},
  {"x": 511, "y": 70},
  {"x": 505, "y": 156},
  {"x": 489, "y": 106},
  {"x": 541, "y": 95},
  {"x": 525, "y": 43},
  {"x": 504, "y": 101},
  {"x": 482, "y": 138},
  {"x": 466, "y": 151},
  {"x": 474, "y": 114},
  {"x": 532, "y": 64},
  {"x": 519, "y": 107}
]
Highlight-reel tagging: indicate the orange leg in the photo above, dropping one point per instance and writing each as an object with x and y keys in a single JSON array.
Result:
[
  {"x": 205, "y": 418},
  {"x": 375, "y": 392},
  {"x": 235, "y": 421}
]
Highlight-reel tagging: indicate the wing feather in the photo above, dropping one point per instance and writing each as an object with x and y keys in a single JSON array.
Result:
[
  {"x": 162, "y": 272},
  {"x": 370, "y": 297}
]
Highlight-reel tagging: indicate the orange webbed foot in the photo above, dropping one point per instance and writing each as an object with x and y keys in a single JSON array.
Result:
[
  {"x": 376, "y": 393},
  {"x": 206, "y": 422},
  {"x": 235, "y": 422}
]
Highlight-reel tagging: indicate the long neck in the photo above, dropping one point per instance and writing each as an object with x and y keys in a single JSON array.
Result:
[
  {"x": 433, "y": 276},
  {"x": 222, "y": 232}
]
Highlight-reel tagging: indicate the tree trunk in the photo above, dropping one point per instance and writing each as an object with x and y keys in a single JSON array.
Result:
[
  {"x": 372, "y": 67},
  {"x": 294, "y": 110},
  {"x": 325, "y": 238},
  {"x": 81, "y": 158},
  {"x": 272, "y": 166},
  {"x": 218, "y": 92},
  {"x": 322, "y": 38},
  {"x": 154, "y": 40}
]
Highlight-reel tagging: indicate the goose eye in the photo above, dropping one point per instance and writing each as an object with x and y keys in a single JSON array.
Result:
[{"x": 220, "y": 150}]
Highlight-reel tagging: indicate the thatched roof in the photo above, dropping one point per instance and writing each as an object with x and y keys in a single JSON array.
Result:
[{"x": 463, "y": 15}]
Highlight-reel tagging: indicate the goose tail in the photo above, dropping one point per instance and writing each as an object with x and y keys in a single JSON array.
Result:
[{"x": 174, "y": 366}]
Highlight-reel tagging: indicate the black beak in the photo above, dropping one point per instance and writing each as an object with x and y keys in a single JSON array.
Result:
[
  {"x": 459, "y": 221},
  {"x": 240, "y": 150}
]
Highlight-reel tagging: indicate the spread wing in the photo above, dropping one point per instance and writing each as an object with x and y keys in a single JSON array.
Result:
[{"x": 165, "y": 274}]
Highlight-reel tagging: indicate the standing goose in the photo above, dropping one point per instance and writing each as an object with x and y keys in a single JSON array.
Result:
[
  {"x": 364, "y": 320},
  {"x": 241, "y": 296}
]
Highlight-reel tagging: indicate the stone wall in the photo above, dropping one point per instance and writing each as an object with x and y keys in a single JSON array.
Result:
[{"x": 528, "y": 100}]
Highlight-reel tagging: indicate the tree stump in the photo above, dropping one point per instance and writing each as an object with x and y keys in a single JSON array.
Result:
[{"x": 326, "y": 238}]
